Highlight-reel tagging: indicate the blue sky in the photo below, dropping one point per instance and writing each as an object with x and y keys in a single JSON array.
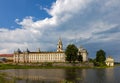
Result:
[
  {"x": 10, "y": 10},
  {"x": 94, "y": 24}
]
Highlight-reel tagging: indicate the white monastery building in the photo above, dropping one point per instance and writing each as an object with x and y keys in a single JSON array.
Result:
[{"x": 39, "y": 56}]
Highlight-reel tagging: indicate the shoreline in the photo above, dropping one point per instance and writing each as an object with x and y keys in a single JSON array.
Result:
[{"x": 16, "y": 66}]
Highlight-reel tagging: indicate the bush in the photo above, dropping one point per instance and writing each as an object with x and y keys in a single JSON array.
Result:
[{"x": 99, "y": 63}]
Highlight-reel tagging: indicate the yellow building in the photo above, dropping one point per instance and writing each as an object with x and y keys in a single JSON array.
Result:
[
  {"x": 109, "y": 61},
  {"x": 33, "y": 57},
  {"x": 8, "y": 57},
  {"x": 39, "y": 56}
]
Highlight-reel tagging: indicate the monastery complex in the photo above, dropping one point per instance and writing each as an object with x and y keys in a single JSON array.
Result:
[
  {"x": 39, "y": 56},
  {"x": 43, "y": 56}
]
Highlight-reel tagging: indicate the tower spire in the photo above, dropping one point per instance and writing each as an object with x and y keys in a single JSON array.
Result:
[{"x": 59, "y": 45}]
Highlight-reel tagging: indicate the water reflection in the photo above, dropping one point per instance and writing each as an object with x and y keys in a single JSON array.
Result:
[
  {"x": 40, "y": 74},
  {"x": 70, "y": 74},
  {"x": 109, "y": 75}
]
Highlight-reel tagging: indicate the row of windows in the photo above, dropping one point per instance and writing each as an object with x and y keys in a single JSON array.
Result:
[
  {"x": 42, "y": 60},
  {"x": 35, "y": 55},
  {"x": 40, "y": 57}
]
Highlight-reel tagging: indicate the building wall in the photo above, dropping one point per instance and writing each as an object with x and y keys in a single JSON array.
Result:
[
  {"x": 59, "y": 56},
  {"x": 8, "y": 57},
  {"x": 83, "y": 52},
  {"x": 39, "y": 57},
  {"x": 109, "y": 61},
  {"x": 85, "y": 57},
  {"x": 34, "y": 57}
]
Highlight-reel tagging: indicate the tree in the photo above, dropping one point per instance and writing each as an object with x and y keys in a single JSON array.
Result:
[
  {"x": 91, "y": 60},
  {"x": 100, "y": 56},
  {"x": 71, "y": 53},
  {"x": 80, "y": 58}
]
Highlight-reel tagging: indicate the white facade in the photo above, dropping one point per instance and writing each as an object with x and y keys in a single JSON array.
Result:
[
  {"x": 83, "y": 52},
  {"x": 109, "y": 61},
  {"x": 34, "y": 57},
  {"x": 28, "y": 57}
]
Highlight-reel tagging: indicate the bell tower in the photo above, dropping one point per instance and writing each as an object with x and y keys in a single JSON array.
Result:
[{"x": 59, "y": 46}]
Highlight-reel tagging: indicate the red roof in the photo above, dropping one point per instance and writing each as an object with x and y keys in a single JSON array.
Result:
[{"x": 6, "y": 55}]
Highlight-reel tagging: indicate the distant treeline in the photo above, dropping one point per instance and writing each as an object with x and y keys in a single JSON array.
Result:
[{"x": 117, "y": 62}]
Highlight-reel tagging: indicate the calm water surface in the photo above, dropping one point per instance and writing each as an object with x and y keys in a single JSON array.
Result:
[{"x": 107, "y": 75}]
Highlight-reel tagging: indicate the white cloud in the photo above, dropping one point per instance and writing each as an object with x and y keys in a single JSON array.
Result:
[
  {"x": 26, "y": 23},
  {"x": 4, "y": 51},
  {"x": 3, "y": 30},
  {"x": 112, "y": 3},
  {"x": 60, "y": 11},
  {"x": 31, "y": 31},
  {"x": 98, "y": 32},
  {"x": 62, "y": 7}
]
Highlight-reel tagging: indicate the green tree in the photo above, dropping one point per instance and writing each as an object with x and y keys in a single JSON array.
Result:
[
  {"x": 80, "y": 58},
  {"x": 71, "y": 53},
  {"x": 91, "y": 60},
  {"x": 100, "y": 58}
]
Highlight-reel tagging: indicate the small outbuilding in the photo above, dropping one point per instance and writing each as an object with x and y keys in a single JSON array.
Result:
[
  {"x": 6, "y": 57},
  {"x": 109, "y": 61}
]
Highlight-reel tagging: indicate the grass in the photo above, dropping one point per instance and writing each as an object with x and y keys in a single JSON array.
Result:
[
  {"x": 48, "y": 66},
  {"x": 9, "y": 66}
]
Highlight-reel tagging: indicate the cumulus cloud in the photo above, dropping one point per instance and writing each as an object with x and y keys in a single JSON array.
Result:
[
  {"x": 4, "y": 51},
  {"x": 63, "y": 7},
  {"x": 83, "y": 22},
  {"x": 60, "y": 11},
  {"x": 3, "y": 30},
  {"x": 33, "y": 31}
]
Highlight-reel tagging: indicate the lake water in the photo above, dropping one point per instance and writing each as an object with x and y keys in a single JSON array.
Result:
[{"x": 106, "y": 75}]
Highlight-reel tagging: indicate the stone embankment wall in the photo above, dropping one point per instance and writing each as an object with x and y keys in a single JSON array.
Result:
[
  {"x": 85, "y": 64},
  {"x": 72, "y": 65}
]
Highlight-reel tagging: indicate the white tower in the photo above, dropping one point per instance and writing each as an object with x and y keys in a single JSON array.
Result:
[
  {"x": 83, "y": 52},
  {"x": 59, "y": 46}
]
